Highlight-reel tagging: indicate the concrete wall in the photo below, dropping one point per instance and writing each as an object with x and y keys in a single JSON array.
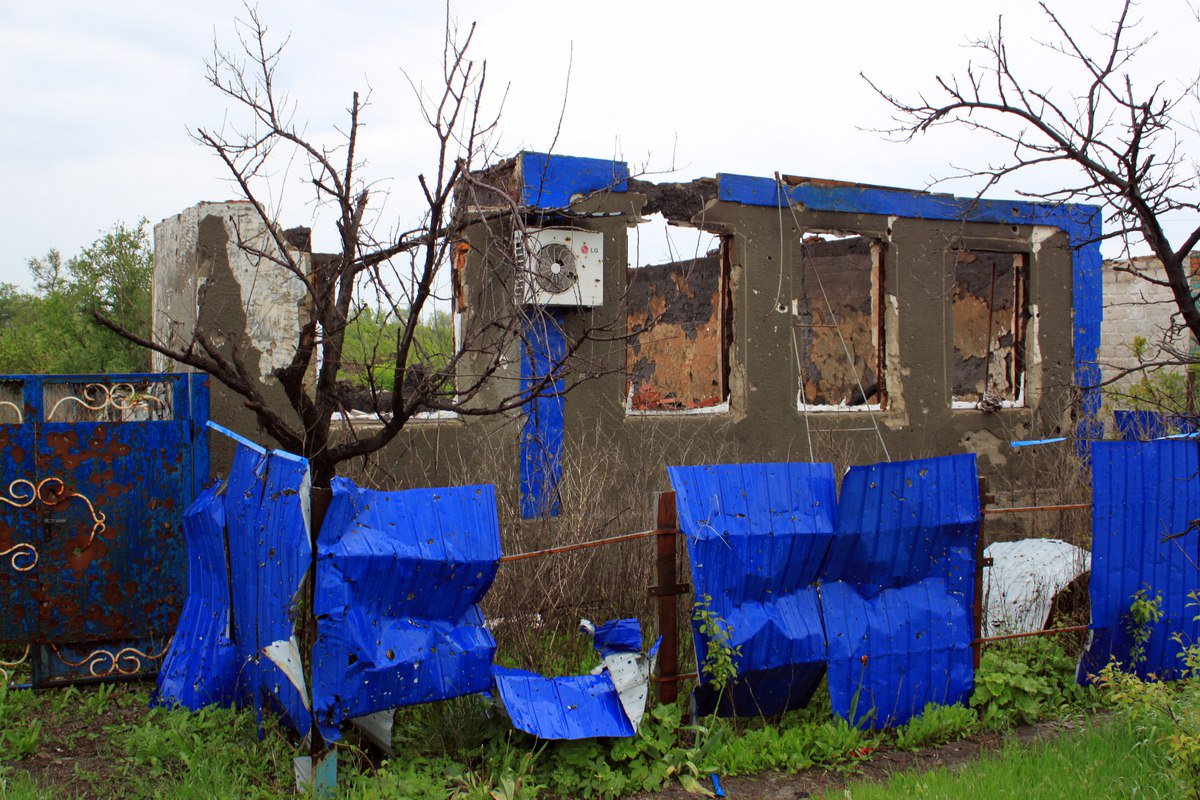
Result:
[
  {"x": 204, "y": 280},
  {"x": 761, "y": 417},
  {"x": 1134, "y": 308}
]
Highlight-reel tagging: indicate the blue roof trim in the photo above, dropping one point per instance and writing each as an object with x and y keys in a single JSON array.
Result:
[
  {"x": 552, "y": 181},
  {"x": 1081, "y": 223}
]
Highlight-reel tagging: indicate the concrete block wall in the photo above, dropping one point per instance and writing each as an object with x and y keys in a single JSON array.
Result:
[{"x": 1134, "y": 308}]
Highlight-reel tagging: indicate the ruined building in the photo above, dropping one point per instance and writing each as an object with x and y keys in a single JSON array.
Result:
[{"x": 833, "y": 321}]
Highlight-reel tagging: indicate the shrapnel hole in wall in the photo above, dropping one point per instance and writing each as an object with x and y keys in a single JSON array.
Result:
[
  {"x": 677, "y": 319},
  {"x": 838, "y": 322},
  {"x": 989, "y": 289}
]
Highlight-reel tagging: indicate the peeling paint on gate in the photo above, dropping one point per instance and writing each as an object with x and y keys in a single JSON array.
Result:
[{"x": 95, "y": 504}]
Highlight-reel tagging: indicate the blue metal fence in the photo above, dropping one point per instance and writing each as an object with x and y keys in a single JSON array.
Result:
[{"x": 95, "y": 473}]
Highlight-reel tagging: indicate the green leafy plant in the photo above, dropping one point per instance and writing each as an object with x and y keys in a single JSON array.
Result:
[
  {"x": 1024, "y": 680},
  {"x": 1144, "y": 613},
  {"x": 720, "y": 657},
  {"x": 937, "y": 725}
]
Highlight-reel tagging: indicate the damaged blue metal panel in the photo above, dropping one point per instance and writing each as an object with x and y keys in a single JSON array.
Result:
[
  {"x": 898, "y": 589},
  {"x": 399, "y": 575},
  {"x": 201, "y": 666},
  {"x": 284, "y": 553},
  {"x": 555, "y": 182},
  {"x": 1146, "y": 425},
  {"x": 1145, "y": 500},
  {"x": 266, "y": 512},
  {"x": 618, "y": 636},
  {"x": 758, "y": 536},
  {"x": 541, "y": 440},
  {"x": 572, "y": 707},
  {"x": 1081, "y": 223}
]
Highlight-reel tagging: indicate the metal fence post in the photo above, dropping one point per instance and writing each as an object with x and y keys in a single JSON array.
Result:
[
  {"x": 667, "y": 591},
  {"x": 981, "y": 564}
]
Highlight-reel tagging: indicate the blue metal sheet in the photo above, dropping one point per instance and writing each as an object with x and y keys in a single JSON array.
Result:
[
  {"x": 399, "y": 575},
  {"x": 111, "y": 553},
  {"x": 1146, "y": 425},
  {"x": 542, "y": 433},
  {"x": 201, "y": 667},
  {"x": 555, "y": 182},
  {"x": 1081, "y": 223},
  {"x": 898, "y": 589},
  {"x": 618, "y": 636},
  {"x": 266, "y": 513},
  {"x": 1142, "y": 494},
  {"x": 572, "y": 707},
  {"x": 758, "y": 536},
  {"x": 19, "y": 536}
]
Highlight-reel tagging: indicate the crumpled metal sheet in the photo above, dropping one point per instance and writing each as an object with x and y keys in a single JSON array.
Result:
[
  {"x": 1023, "y": 580},
  {"x": 258, "y": 562},
  {"x": 899, "y": 587},
  {"x": 267, "y": 528},
  {"x": 758, "y": 536},
  {"x": 200, "y": 667},
  {"x": 570, "y": 707},
  {"x": 618, "y": 636},
  {"x": 399, "y": 575},
  {"x": 608, "y": 702},
  {"x": 1145, "y": 497}
]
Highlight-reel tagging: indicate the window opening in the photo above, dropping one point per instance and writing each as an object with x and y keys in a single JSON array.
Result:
[
  {"x": 989, "y": 314},
  {"x": 838, "y": 321},
  {"x": 678, "y": 317}
]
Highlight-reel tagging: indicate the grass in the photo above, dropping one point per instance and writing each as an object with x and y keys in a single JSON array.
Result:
[
  {"x": 104, "y": 741},
  {"x": 1107, "y": 760}
]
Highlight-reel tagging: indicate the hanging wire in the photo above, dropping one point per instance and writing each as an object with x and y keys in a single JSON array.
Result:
[{"x": 832, "y": 316}]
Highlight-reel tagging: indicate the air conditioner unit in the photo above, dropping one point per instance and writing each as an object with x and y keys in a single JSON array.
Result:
[{"x": 559, "y": 267}]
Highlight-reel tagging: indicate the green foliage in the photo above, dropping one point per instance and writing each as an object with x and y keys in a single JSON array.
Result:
[
  {"x": 51, "y": 330},
  {"x": 20, "y": 730},
  {"x": 720, "y": 658},
  {"x": 1024, "y": 680},
  {"x": 211, "y": 753},
  {"x": 1144, "y": 614},
  {"x": 797, "y": 741},
  {"x": 1104, "y": 761},
  {"x": 372, "y": 338},
  {"x": 1157, "y": 389},
  {"x": 937, "y": 725},
  {"x": 1161, "y": 714}
]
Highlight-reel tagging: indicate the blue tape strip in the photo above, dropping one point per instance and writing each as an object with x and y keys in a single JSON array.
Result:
[
  {"x": 237, "y": 437},
  {"x": 1034, "y": 442}
]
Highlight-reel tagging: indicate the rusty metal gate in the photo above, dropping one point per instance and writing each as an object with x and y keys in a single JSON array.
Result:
[{"x": 95, "y": 473}]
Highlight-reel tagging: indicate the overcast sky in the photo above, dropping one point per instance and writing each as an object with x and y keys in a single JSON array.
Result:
[{"x": 98, "y": 99}]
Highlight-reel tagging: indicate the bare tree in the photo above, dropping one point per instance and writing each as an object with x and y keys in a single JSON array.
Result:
[
  {"x": 1124, "y": 140},
  {"x": 403, "y": 271}
]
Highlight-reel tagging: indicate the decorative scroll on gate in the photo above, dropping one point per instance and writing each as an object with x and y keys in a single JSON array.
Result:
[{"x": 95, "y": 473}]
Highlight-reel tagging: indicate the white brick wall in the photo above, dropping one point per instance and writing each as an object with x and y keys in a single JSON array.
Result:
[{"x": 1133, "y": 307}]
